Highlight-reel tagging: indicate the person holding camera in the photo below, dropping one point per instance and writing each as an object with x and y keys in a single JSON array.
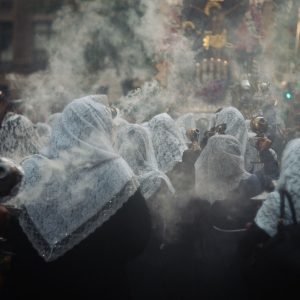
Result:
[{"x": 260, "y": 157}]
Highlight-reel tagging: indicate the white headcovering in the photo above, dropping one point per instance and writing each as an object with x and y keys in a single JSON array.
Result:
[
  {"x": 235, "y": 125},
  {"x": 219, "y": 168},
  {"x": 167, "y": 140},
  {"x": 268, "y": 215},
  {"x": 134, "y": 144},
  {"x": 52, "y": 119},
  {"x": 18, "y": 137},
  {"x": 79, "y": 185}
]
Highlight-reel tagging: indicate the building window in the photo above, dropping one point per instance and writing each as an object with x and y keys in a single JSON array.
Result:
[
  {"x": 6, "y": 5},
  {"x": 46, "y": 6},
  {"x": 6, "y": 42},
  {"x": 41, "y": 35}
]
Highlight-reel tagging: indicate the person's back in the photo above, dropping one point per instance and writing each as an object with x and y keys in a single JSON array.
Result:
[{"x": 263, "y": 268}]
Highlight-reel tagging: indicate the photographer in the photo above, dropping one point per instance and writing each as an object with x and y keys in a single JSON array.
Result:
[
  {"x": 220, "y": 129},
  {"x": 260, "y": 157}
]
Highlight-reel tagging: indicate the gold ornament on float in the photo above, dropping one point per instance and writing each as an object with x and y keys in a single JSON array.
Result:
[{"x": 217, "y": 41}]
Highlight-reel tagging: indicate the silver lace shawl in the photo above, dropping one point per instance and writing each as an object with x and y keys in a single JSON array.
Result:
[
  {"x": 167, "y": 140},
  {"x": 78, "y": 186},
  {"x": 18, "y": 137},
  {"x": 134, "y": 144},
  {"x": 219, "y": 168},
  {"x": 236, "y": 125},
  {"x": 268, "y": 215}
]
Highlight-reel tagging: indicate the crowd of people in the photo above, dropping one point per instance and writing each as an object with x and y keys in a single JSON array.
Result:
[{"x": 94, "y": 206}]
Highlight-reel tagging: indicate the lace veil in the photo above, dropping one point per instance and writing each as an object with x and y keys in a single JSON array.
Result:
[
  {"x": 134, "y": 144},
  {"x": 77, "y": 185},
  {"x": 219, "y": 168},
  {"x": 167, "y": 140}
]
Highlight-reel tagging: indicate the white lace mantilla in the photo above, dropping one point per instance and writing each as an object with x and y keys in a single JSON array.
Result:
[
  {"x": 235, "y": 125},
  {"x": 167, "y": 140},
  {"x": 79, "y": 185},
  {"x": 219, "y": 168},
  {"x": 134, "y": 144}
]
